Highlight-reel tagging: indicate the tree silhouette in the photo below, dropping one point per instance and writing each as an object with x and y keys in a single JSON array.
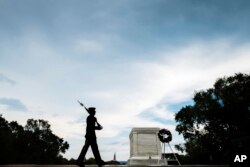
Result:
[
  {"x": 216, "y": 127},
  {"x": 34, "y": 143}
]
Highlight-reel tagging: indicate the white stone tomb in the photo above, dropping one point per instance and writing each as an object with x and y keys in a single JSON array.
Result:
[{"x": 145, "y": 146}]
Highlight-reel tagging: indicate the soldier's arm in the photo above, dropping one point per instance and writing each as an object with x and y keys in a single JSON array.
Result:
[{"x": 98, "y": 127}]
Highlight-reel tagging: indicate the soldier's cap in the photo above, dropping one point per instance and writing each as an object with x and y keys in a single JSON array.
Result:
[{"x": 91, "y": 109}]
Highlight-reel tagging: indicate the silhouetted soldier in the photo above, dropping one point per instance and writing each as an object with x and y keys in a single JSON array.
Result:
[{"x": 90, "y": 138}]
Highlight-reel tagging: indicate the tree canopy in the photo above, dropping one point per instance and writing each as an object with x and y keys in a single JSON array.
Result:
[
  {"x": 216, "y": 126},
  {"x": 34, "y": 143}
]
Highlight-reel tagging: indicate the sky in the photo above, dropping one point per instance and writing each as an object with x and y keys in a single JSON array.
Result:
[{"x": 137, "y": 61}]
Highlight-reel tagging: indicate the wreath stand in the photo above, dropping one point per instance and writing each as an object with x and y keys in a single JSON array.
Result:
[{"x": 165, "y": 136}]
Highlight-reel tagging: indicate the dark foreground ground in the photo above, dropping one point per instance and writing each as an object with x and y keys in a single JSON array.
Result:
[{"x": 110, "y": 166}]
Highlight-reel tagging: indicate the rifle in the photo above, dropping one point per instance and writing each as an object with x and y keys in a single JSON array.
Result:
[{"x": 83, "y": 105}]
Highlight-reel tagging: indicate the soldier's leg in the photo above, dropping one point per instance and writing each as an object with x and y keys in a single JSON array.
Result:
[
  {"x": 83, "y": 152},
  {"x": 96, "y": 152}
]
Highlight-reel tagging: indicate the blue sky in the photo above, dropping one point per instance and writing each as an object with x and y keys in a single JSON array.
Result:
[{"x": 137, "y": 61}]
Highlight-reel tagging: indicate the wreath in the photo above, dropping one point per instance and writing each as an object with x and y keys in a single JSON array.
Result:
[{"x": 165, "y": 135}]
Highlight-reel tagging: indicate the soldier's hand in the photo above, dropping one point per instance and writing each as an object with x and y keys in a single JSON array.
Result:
[{"x": 100, "y": 127}]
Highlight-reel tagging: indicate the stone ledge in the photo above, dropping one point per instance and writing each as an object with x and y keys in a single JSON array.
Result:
[{"x": 113, "y": 166}]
